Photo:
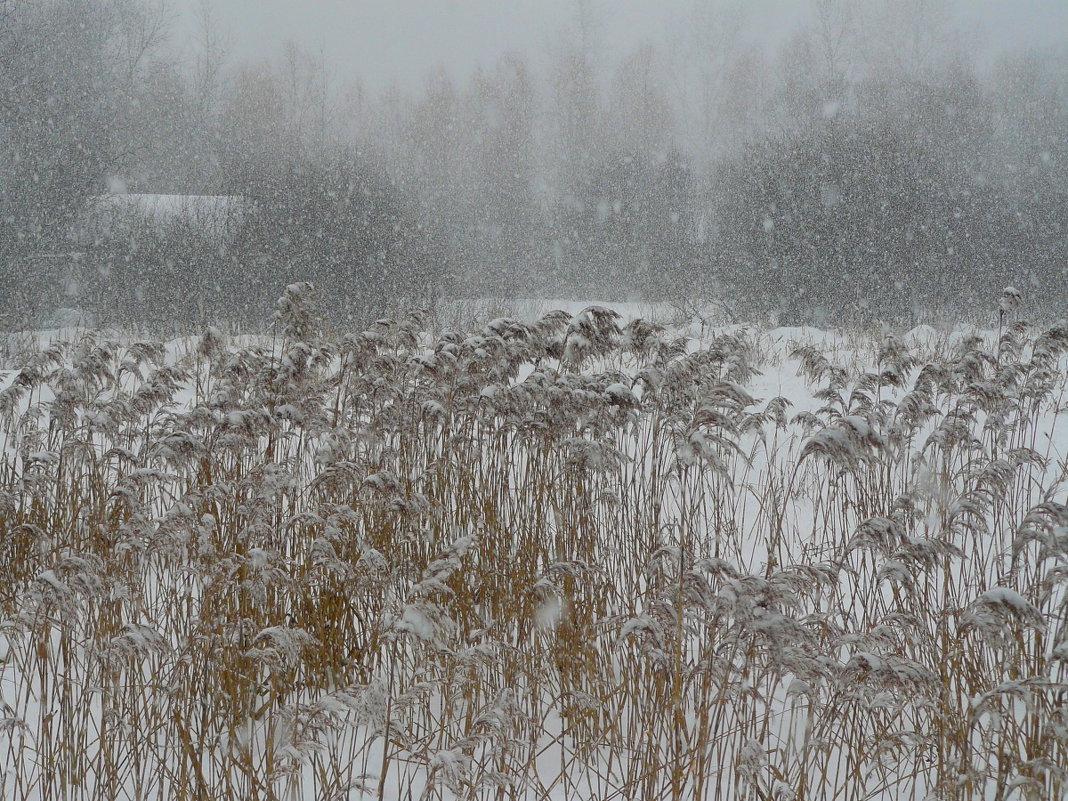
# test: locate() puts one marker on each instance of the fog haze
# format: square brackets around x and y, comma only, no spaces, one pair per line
[402,40]
[796,161]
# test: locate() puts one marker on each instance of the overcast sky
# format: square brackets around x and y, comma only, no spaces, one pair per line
[384,40]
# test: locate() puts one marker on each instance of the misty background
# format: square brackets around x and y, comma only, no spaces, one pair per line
[829,161]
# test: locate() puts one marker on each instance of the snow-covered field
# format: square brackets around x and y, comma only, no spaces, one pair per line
[575,555]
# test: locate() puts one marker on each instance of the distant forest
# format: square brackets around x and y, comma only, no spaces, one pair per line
[865,168]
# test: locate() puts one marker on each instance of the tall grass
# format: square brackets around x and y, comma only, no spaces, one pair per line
[567,559]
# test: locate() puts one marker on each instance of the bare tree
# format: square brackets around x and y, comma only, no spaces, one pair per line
[69,82]
[707,44]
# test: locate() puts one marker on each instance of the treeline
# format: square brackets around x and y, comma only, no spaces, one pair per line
[863,167]
[918,198]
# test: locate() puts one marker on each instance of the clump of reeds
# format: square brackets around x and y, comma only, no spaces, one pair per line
[568,558]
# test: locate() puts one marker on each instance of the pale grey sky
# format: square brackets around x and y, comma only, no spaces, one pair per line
[382,40]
